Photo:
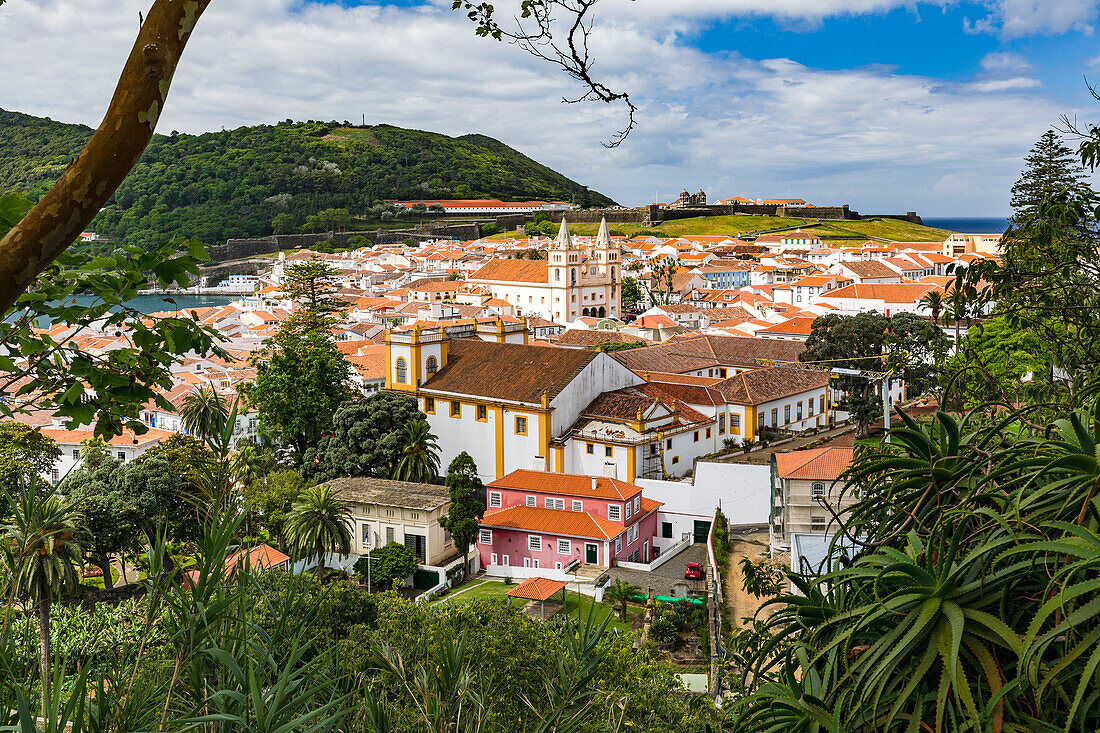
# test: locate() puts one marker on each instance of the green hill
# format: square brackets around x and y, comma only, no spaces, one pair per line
[254,181]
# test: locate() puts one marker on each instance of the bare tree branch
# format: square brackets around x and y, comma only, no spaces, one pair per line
[55,222]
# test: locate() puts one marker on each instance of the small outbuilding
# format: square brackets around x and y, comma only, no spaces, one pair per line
[538,589]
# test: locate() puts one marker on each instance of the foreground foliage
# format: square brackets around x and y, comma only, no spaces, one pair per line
[971,601]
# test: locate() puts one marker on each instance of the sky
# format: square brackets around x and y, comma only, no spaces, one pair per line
[885,105]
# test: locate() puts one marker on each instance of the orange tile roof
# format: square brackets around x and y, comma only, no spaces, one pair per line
[260,556]
[824,464]
[537,589]
[74,437]
[553,521]
[566,483]
[800,325]
[532,271]
[908,292]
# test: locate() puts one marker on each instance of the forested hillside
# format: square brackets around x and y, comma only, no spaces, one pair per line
[266,179]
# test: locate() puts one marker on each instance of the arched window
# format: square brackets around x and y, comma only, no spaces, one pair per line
[557,274]
[400,370]
[573,276]
[817,489]
[603,312]
[433,365]
[584,311]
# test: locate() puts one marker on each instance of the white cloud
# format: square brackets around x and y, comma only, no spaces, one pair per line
[1005,61]
[1017,18]
[870,137]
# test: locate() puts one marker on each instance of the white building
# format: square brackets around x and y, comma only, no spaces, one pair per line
[573,282]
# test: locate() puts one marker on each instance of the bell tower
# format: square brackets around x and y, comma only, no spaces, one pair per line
[564,275]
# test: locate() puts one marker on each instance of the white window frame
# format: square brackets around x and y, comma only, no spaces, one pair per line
[629,509]
[534,562]
[614,512]
[817,488]
[492,558]
[564,544]
[485,537]
[818,523]
[531,500]
[578,505]
[618,544]
[534,542]
[637,504]
[495,499]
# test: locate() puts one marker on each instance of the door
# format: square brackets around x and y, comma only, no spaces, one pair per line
[590,553]
[702,529]
[645,551]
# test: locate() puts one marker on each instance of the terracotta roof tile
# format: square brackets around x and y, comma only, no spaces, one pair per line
[764,385]
[516,372]
[537,589]
[701,352]
[553,521]
[824,464]
[532,271]
[566,483]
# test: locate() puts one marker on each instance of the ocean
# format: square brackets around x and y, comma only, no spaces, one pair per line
[157,303]
[969,224]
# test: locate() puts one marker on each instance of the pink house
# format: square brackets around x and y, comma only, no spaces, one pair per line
[552,521]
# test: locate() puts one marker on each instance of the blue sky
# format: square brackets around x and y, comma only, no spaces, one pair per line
[887,105]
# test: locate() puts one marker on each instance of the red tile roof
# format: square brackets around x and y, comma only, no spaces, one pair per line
[529,271]
[537,589]
[567,483]
[820,464]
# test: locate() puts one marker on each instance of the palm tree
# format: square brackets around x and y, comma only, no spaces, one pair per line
[42,555]
[933,302]
[319,521]
[619,593]
[249,465]
[419,459]
[957,309]
[204,412]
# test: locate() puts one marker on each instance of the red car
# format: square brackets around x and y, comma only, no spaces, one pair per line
[694,571]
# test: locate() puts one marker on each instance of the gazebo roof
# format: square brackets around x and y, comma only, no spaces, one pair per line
[537,589]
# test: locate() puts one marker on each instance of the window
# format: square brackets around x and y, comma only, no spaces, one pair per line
[775,417]
[760,421]
[482,413]
[429,405]
[456,409]
[366,535]
[817,489]
[400,370]
[55,476]
[535,562]
[493,559]
[563,547]
[552,503]
[708,432]
[494,499]
[798,410]
[637,504]
[432,366]
[722,424]
[389,535]
[534,542]
[735,422]
[810,407]
[675,460]
[695,438]
[607,451]
[590,448]
[666,530]
[531,501]
[557,566]
[485,536]
[504,559]
[521,426]
[122,456]
[817,523]
[578,505]
[614,512]
[668,444]
[557,273]
[822,402]
[76,454]
[722,373]
[618,544]
[629,510]
[786,414]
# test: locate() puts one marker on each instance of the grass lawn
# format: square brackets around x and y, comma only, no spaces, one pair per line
[900,231]
[575,602]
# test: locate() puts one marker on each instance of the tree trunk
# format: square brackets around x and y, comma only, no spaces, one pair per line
[44,648]
[88,182]
[321,566]
[103,562]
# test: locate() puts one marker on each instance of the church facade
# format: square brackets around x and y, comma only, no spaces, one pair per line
[573,282]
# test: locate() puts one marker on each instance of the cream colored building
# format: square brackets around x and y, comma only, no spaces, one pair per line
[573,281]
[962,244]
[806,493]
[385,511]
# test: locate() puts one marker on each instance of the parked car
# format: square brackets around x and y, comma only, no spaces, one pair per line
[694,571]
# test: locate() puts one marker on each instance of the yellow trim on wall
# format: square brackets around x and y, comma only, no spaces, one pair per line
[559,459]
[500,441]
[631,464]
[526,424]
[750,423]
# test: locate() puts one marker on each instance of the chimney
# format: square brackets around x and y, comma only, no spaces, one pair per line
[593,483]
